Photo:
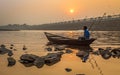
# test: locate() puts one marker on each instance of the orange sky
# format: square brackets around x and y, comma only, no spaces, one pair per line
[47,11]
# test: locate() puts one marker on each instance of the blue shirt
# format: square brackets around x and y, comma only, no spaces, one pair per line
[86,34]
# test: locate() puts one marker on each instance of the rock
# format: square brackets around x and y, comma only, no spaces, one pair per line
[68,69]
[52,58]
[39,62]
[2,46]
[10,53]
[59,48]
[108,48]
[11,61]
[96,53]
[81,53]
[115,53]
[28,58]
[49,49]
[4,50]
[60,53]
[11,47]
[69,51]
[106,54]
[24,47]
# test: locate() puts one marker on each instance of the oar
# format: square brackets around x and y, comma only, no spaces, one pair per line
[98,22]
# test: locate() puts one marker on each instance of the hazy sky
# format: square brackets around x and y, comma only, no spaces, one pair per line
[47,11]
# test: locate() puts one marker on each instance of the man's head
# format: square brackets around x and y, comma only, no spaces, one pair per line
[84,27]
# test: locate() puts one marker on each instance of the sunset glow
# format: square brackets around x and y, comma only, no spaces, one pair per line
[48,11]
[72,11]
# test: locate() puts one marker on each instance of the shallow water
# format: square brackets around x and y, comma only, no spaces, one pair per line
[36,41]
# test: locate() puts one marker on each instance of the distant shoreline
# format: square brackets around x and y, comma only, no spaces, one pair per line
[9,30]
[53,30]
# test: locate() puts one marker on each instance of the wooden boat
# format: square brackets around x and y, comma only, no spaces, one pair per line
[56,39]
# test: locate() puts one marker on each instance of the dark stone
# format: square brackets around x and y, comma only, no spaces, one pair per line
[96,53]
[2,46]
[4,50]
[68,69]
[106,54]
[10,53]
[115,53]
[49,49]
[29,58]
[39,62]
[52,58]
[11,61]
[69,51]
[24,47]
[59,48]
[11,47]
[81,53]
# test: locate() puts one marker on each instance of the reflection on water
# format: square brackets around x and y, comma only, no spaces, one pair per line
[79,58]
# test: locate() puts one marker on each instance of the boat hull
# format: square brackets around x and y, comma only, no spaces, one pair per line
[55,39]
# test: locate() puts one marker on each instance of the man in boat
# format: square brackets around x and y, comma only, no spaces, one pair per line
[86,32]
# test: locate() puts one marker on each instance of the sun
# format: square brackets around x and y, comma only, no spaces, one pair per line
[72,10]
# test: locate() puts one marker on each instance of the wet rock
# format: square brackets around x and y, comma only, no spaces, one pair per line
[60,53]
[39,62]
[115,53]
[59,48]
[96,53]
[11,61]
[69,51]
[4,50]
[68,69]
[106,54]
[108,48]
[12,45]
[83,55]
[24,47]
[2,46]
[49,49]
[28,58]
[52,58]
[26,63]
[10,53]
